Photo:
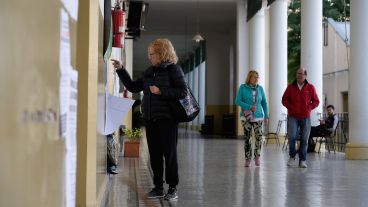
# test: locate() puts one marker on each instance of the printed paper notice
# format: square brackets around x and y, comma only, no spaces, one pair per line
[72,7]
[68,125]
[116,109]
[65,58]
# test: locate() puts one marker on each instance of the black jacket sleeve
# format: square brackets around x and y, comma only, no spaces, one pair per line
[177,89]
[132,86]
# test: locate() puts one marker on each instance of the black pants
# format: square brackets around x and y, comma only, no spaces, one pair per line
[162,137]
[318,131]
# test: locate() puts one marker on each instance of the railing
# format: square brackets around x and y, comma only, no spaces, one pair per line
[342,133]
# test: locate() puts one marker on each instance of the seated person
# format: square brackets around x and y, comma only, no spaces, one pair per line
[325,128]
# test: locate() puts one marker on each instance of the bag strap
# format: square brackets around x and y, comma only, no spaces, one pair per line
[255,97]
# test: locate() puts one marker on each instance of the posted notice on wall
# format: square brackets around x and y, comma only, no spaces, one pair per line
[72,7]
[68,129]
[116,108]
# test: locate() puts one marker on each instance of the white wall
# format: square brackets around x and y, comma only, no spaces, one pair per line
[333,86]
[335,76]
[217,68]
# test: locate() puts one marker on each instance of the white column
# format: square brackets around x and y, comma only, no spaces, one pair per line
[202,91]
[128,55]
[191,77]
[242,64]
[358,76]
[129,67]
[129,58]
[257,43]
[191,85]
[195,89]
[243,43]
[231,76]
[278,62]
[311,48]
[242,60]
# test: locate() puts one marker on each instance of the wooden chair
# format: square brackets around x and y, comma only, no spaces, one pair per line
[274,135]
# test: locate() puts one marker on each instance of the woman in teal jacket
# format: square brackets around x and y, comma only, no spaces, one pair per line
[252,97]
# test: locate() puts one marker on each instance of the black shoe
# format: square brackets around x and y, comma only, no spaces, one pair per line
[172,194]
[112,170]
[156,192]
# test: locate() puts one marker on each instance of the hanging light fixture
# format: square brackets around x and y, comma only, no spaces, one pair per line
[198,37]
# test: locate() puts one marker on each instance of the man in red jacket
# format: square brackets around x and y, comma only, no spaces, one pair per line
[300,98]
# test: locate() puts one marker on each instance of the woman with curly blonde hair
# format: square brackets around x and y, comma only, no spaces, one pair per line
[161,82]
[164,49]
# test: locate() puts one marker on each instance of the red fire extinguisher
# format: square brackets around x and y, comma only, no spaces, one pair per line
[118,40]
[118,19]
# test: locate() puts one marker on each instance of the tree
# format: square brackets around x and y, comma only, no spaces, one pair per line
[294,36]
[339,10]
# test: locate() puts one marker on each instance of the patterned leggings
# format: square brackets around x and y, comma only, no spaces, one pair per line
[257,126]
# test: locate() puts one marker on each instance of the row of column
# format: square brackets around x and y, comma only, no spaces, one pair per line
[196,81]
[277,56]
[311,60]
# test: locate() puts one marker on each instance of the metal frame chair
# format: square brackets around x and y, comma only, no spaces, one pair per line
[275,134]
[286,142]
[329,140]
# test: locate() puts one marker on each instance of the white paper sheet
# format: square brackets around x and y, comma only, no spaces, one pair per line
[101,113]
[64,58]
[116,109]
[72,7]
[68,129]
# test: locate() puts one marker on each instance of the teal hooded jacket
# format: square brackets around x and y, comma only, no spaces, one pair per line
[244,99]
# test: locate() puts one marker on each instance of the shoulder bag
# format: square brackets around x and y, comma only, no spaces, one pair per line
[248,114]
[186,109]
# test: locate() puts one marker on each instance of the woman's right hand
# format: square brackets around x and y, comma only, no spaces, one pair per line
[253,109]
[117,64]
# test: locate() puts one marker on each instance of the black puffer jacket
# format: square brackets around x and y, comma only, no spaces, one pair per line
[169,78]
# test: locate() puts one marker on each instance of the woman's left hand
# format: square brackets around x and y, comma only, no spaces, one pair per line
[155,90]
[266,122]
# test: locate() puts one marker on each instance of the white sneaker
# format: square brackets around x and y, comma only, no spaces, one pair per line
[303,164]
[291,162]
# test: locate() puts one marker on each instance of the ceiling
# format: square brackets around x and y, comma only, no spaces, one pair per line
[177,21]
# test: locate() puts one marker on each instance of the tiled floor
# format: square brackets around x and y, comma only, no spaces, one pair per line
[212,173]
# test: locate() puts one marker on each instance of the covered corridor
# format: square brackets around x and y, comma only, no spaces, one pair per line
[212,173]
[56,77]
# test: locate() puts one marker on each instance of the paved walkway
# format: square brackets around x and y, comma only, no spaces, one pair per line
[212,173]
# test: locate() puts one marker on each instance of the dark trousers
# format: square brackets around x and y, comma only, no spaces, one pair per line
[318,131]
[162,137]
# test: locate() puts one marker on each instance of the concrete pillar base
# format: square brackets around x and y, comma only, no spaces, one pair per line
[356,152]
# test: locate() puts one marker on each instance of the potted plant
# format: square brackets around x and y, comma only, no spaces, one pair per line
[131,146]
